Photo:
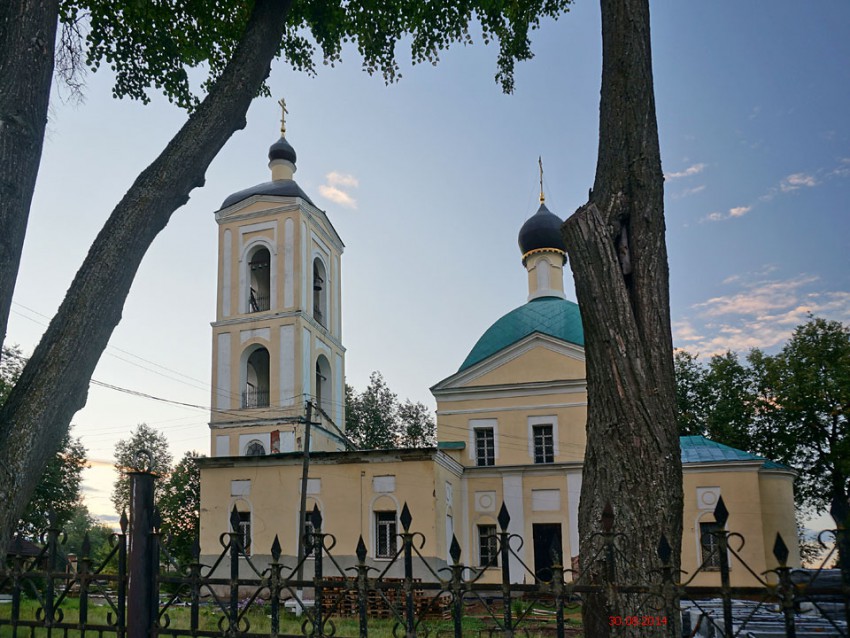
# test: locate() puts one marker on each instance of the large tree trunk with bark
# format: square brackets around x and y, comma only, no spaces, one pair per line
[619,262]
[54,383]
[27,40]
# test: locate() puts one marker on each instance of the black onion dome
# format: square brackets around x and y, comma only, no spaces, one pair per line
[541,230]
[282,150]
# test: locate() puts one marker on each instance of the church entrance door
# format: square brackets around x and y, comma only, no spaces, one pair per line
[547,537]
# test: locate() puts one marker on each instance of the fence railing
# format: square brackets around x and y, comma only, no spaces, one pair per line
[137,590]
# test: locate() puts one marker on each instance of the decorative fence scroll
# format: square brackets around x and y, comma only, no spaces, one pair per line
[146,594]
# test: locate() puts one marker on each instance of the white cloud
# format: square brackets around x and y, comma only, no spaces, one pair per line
[843,168]
[737,211]
[797,180]
[689,191]
[694,169]
[760,313]
[342,179]
[337,196]
[335,188]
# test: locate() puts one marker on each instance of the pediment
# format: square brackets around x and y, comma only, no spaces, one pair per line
[536,359]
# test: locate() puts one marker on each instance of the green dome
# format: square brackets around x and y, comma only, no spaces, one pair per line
[551,316]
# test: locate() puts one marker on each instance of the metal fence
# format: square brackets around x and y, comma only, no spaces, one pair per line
[137,591]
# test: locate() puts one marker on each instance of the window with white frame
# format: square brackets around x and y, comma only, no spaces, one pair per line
[488,549]
[485,446]
[544,443]
[385,534]
[709,545]
[255,448]
[244,530]
[259,293]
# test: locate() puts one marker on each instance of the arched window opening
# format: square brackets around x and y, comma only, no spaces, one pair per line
[256,393]
[323,383]
[259,295]
[255,448]
[320,292]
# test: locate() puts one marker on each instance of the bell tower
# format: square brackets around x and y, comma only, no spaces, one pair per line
[277,338]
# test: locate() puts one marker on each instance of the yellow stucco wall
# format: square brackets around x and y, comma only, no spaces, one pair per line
[759,505]
[346,496]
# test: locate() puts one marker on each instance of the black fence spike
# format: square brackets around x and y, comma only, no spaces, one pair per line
[721,514]
[196,550]
[454,550]
[86,547]
[607,517]
[156,520]
[664,550]
[234,519]
[124,522]
[504,518]
[780,550]
[276,550]
[405,518]
[361,549]
[316,517]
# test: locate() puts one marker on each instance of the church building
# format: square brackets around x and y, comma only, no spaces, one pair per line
[510,420]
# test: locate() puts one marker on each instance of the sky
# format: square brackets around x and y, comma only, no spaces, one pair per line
[428,181]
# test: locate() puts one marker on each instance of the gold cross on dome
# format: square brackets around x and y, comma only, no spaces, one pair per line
[283,115]
[540,163]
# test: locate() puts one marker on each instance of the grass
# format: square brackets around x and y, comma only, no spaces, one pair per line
[260,622]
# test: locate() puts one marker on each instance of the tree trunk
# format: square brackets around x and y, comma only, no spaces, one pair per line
[619,261]
[54,383]
[27,40]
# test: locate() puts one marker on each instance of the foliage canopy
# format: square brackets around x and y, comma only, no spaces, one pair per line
[791,407]
[154,45]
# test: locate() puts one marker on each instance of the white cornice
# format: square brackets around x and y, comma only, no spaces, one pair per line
[445,461]
[722,466]
[515,408]
[512,390]
[268,317]
[285,205]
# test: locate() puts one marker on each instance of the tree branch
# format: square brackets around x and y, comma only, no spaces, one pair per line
[54,383]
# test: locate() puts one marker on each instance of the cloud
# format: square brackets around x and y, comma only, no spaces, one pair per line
[334,189]
[737,211]
[689,191]
[758,313]
[694,169]
[843,168]
[797,180]
[342,179]
[337,196]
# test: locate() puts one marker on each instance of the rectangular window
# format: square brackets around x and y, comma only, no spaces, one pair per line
[710,546]
[488,549]
[245,532]
[385,534]
[544,444]
[485,447]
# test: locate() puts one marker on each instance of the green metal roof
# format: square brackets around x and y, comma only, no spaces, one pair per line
[698,449]
[551,316]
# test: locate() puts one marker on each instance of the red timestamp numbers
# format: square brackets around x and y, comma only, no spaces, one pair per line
[637,621]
